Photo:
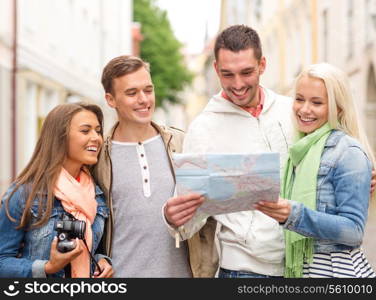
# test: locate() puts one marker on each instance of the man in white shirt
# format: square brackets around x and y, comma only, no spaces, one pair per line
[244,117]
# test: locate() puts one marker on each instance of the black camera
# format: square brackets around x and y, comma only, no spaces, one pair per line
[68,229]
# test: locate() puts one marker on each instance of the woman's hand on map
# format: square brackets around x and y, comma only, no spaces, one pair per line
[279,210]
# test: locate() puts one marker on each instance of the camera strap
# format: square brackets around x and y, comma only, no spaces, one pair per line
[68,271]
[93,259]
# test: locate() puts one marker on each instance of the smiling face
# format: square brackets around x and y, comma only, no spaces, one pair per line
[84,141]
[239,74]
[310,104]
[133,97]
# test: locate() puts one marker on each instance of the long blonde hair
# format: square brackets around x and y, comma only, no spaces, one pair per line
[342,113]
[40,174]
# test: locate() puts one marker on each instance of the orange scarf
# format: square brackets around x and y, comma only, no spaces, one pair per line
[78,198]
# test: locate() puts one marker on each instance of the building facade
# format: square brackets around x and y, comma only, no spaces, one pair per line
[6,59]
[62,47]
[296,33]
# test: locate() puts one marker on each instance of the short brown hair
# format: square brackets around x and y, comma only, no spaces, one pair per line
[120,66]
[236,38]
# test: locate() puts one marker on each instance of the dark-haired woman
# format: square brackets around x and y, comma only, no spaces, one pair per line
[56,181]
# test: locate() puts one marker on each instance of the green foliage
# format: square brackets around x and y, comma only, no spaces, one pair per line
[162,50]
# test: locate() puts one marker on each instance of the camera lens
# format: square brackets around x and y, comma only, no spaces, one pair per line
[79,228]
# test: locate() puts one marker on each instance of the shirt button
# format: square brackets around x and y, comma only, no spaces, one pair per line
[145,167]
[142,155]
[146,180]
[139,143]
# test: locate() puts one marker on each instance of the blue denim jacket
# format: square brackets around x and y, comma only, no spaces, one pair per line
[23,253]
[342,198]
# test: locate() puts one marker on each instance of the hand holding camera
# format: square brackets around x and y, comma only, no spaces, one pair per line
[66,246]
[59,260]
[68,229]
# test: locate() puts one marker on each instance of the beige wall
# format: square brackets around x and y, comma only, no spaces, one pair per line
[302,32]
[5,128]
[5,91]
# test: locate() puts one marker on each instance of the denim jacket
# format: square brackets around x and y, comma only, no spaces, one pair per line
[342,197]
[23,252]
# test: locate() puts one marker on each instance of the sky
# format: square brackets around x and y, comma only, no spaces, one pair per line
[191,19]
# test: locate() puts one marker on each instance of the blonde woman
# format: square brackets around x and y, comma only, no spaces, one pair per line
[55,182]
[325,187]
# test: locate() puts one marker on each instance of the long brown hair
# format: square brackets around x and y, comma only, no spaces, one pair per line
[40,174]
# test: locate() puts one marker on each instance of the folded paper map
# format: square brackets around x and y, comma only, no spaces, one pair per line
[229,182]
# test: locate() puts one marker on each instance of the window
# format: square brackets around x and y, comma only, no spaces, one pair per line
[370,21]
[258,10]
[350,34]
[370,110]
[325,34]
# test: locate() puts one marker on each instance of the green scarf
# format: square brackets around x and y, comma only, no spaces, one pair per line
[299,184]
